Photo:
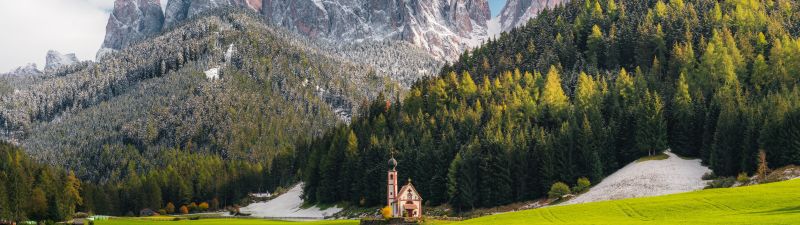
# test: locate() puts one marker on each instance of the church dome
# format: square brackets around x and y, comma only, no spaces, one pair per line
[392,163]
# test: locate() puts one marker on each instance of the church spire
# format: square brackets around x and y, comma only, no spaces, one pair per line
[392,161]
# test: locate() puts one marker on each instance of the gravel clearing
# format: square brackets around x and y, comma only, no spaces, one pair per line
[648,178]
[288,205]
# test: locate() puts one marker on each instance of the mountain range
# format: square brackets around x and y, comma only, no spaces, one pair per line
[444,28]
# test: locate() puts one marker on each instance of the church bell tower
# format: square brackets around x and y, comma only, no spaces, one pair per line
[391,192]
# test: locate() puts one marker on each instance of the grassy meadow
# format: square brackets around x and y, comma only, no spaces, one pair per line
[232,221]
[775,203]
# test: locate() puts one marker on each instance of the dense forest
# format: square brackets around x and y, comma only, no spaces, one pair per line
[34,191]
[580,91]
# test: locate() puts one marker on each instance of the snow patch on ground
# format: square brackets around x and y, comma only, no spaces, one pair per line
[261,195]
[648,178]
[288,205]
[212,74]
[229,52]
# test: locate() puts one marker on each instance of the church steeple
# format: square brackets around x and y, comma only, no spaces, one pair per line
[392,186]
[392,162]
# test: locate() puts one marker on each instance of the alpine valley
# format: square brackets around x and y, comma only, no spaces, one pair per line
[254,111]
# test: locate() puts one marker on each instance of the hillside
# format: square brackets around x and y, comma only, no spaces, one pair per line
[580,91]
[274,89]
[773,203]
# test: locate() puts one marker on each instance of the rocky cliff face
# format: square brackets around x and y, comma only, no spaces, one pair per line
[442,27]
[518,12]
[56,60]
[132,20]
[180,10]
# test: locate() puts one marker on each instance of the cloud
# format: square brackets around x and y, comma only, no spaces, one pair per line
[31,27]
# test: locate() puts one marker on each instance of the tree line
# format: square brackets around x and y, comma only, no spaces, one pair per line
[188,182]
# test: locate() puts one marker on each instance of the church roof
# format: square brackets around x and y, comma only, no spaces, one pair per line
[402,193]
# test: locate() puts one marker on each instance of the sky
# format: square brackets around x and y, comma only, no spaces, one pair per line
[495,6]
[32,27]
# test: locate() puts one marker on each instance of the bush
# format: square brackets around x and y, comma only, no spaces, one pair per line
[558,190]
[742,178]
[184,210]
[162,211]
[193,207]
[724,182]
[582,185]
[170,208]
[203,206]
[386,212]
[709,176]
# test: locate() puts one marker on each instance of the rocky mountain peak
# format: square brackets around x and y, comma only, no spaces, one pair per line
[131,21]
[27,70]
[55,60]
[180,10]
[517,12]
[444,28]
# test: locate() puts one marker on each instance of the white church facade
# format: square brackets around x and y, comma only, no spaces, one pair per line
[404,201]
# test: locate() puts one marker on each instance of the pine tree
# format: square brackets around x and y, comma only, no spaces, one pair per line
[651,129]
[682,120]
[72,191]
[595,45]
[553,99]
[468,87]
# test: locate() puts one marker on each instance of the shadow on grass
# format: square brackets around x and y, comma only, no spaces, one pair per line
[786,210]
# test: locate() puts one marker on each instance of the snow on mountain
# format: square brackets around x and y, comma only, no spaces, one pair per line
[56,60]
[132,20]
[517,12]
[26,70]
[443,28]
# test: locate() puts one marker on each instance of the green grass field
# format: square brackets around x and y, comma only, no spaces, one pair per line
[775,203]
[137,221]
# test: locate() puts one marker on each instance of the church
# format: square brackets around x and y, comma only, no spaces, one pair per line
[404,203]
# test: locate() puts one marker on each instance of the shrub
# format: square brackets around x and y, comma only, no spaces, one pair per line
[170,208]
[582,185]
[709,176]
[386,212]
[558,190]
[193,207]
[742,178]
[203,206]
[184,210]
[724,182]
[162,212]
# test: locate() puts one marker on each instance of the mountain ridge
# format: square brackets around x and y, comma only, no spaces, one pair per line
[443,28]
